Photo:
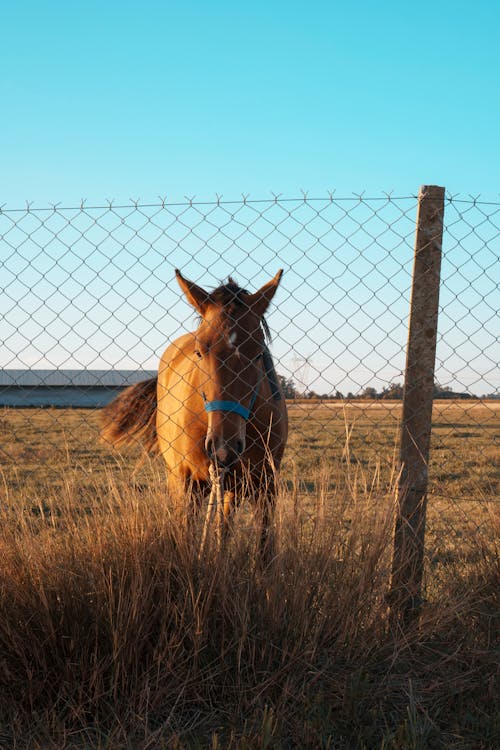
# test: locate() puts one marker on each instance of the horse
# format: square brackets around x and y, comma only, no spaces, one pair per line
[216,406]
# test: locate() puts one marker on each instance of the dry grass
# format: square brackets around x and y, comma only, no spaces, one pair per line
[113,634]
[35,443]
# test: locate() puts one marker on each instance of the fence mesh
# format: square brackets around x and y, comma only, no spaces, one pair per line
[89,302]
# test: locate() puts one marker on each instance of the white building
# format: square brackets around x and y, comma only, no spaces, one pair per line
[65,388]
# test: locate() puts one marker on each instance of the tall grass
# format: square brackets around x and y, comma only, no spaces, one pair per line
[116,633]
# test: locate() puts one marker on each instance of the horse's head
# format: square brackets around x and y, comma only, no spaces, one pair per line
[228,348]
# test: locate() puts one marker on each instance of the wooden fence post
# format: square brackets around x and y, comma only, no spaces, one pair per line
[409,535]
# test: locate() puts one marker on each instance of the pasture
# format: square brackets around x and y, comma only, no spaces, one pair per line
[338,442]
[113,634]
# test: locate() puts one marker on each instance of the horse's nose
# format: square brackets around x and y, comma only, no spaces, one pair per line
[226,454]
[221,453]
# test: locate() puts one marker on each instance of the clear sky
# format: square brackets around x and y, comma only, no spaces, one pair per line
[123,99]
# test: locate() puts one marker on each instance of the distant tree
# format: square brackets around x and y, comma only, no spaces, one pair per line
[369,393]
[288,386]
[311,394]
[393,391]
[445,392]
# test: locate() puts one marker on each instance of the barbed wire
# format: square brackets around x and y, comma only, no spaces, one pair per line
[245,199]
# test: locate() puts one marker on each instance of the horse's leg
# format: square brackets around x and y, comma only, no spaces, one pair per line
[177,492]
[187,497]
[267,536]
[229,510]
[235,489]
[264,506]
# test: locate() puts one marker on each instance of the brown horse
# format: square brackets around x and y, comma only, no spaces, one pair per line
[216,402]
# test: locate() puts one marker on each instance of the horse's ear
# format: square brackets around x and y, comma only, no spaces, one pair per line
[259,301]
[195,295]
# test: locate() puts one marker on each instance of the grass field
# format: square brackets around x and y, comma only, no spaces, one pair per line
[115,634]
[349,443]
[35,443]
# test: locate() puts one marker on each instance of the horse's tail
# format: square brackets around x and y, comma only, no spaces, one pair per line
[131,417]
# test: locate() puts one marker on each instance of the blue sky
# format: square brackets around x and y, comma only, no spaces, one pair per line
[122,100]
[127,99]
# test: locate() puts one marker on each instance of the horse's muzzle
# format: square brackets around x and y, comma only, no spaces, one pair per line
[225,453]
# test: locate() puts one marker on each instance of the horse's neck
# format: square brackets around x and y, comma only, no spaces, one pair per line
[270,374]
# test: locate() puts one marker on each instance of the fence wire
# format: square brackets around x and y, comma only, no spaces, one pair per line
[89,302]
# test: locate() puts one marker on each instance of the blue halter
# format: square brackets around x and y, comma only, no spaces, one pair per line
[234,406]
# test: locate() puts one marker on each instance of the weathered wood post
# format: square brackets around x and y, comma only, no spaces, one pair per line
[408,555]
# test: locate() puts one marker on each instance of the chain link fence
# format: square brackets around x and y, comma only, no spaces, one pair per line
[89,302]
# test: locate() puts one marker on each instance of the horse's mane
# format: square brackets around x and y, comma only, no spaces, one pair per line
[230,294]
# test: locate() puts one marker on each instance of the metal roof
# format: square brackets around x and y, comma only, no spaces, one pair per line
[80,378]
